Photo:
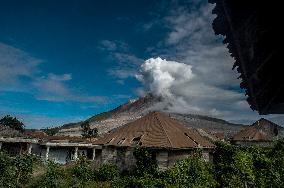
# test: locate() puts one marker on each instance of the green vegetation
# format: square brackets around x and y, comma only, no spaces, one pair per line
[51,131]
[16,171]
[13,123]
[87,131]
[233,166]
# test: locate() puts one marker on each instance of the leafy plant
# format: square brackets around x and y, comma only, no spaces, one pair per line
[107,172]
[191,172]
[51,178]
[146,162]
[82,171]
[16,171]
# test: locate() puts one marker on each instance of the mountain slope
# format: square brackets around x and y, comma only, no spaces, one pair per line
[135,109]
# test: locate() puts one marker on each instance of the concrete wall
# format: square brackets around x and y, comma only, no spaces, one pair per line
[121,156]
[58,155]
[162,157]
[175,155]
[166,159]
[125,160]
[109,155]
[130,161]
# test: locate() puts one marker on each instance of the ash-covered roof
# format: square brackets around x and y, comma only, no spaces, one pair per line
[155,130]
[261,130]
[35,134]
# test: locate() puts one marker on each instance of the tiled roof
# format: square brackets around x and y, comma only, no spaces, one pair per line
[219,135]
[155,130]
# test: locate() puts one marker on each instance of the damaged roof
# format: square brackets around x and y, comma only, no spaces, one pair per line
[155,130]
[261,130]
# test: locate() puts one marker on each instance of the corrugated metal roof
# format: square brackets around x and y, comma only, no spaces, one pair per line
[155,130]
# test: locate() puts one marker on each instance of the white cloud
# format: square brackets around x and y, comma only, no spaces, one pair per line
[184,90]
[200,79]
[54,88]
[161,75]
[63,77]
[109,45]
[206,83]
[14,64]
[126,63]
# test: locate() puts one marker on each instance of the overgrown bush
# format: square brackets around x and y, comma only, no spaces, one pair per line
[241,166]
[191,172]
[51,178]
[107,172]
[145,161]
[15,171]
[83,172]
[233,166]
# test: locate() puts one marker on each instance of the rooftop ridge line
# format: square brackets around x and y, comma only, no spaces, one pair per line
[160,123]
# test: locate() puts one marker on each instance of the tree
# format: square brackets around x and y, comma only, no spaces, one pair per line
[87,131]
[51,131]
[13,123]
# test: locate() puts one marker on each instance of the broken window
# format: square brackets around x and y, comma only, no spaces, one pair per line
[136,140]
[110,141]
[121,141]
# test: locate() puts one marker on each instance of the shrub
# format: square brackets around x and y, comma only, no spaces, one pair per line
[7,172]
[191,172]
[24,168]
[146,162]
[51,178]
[15,171]
[107,172]
[82,171]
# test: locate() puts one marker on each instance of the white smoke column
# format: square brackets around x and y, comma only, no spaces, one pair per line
[161,76]
[185,91]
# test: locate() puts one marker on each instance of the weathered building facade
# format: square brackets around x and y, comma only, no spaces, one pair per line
[58,149]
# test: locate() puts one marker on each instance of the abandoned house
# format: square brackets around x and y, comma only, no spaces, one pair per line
[169,140]
[263,132]
[17,145]
[62,149]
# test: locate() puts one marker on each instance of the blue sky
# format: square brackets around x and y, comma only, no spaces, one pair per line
[70,38]
[64,61]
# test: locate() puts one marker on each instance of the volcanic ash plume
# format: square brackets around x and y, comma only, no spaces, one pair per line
[184,90]
[162,77]
[167,79]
